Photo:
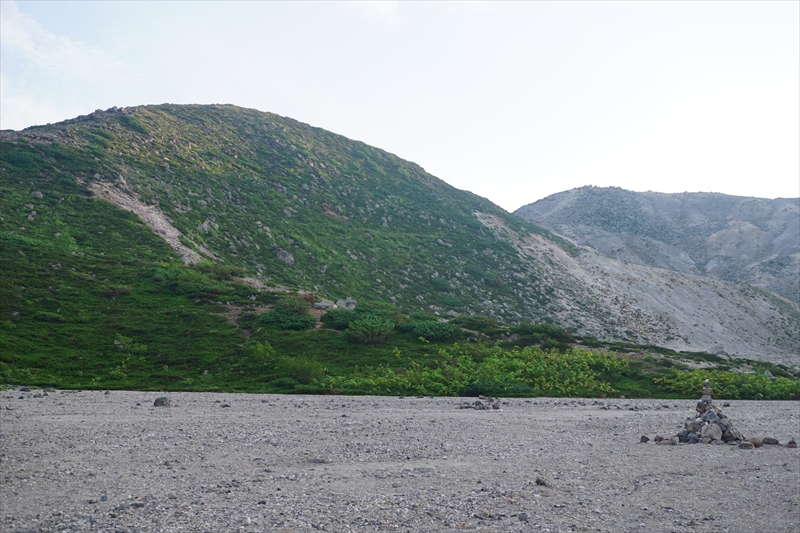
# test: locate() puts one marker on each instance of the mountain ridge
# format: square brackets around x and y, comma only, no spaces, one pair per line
[732,238]
[294,205]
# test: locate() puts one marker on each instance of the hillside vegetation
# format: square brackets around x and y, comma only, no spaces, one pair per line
[179,247]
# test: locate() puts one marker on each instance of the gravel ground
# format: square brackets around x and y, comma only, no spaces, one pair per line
[89,461]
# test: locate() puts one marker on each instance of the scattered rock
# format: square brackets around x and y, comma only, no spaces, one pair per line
[37,194]
[348,303]
[323,305]
[746,445]
[770,440]
[161,401]
[644,439]
[791,444]
[285,256]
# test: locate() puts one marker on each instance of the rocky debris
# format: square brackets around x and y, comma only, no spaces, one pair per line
[712,426]
[37,194]
[478,405]
[161,401]
[709,426]
[211,467]
[348,303]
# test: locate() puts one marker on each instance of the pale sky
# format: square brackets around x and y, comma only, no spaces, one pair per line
[512,101]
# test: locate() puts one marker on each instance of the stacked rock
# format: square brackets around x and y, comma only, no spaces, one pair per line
[710,425]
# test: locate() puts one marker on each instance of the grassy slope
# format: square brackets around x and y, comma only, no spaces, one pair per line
[90,297]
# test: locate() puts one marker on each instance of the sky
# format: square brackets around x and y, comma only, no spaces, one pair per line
[513,101]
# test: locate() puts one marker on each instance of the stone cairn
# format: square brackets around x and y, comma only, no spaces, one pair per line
[711,426]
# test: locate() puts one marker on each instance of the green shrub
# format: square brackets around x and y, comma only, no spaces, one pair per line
[302,369]
[45,316]
[483,324]
[435,331]
[731,385]
[281,320]
[115,290]
[371,329]
[339,318]
[292,305]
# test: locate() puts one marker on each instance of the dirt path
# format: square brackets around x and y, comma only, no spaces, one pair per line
[88,461]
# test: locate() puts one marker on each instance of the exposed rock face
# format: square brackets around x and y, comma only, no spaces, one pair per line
[749,240]
[655,306]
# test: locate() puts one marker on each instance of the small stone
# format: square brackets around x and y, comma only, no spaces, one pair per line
[791,444]
[644,439]
[712,431]
[746,445]
[769,440]
[755,441]
[523,517]
[541,482]
[162,401]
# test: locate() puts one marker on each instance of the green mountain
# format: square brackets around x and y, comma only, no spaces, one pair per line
[292,204]
[149,241]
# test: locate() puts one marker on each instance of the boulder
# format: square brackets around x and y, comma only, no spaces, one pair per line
[323,305]
[285,256]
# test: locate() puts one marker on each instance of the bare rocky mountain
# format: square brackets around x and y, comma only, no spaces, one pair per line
[738,239]
[611,299]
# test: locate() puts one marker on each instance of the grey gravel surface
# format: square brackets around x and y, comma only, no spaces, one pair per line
[89,461]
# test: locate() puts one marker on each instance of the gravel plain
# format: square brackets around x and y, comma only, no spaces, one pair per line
[112,462]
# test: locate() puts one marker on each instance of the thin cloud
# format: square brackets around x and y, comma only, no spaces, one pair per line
[21,35]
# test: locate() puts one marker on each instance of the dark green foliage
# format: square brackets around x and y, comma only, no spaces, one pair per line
[434,331]
[44,316]
[339,318]
[291,312]
[187,281]
[292,305]
[482,324]
[283,320]
[372,329]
